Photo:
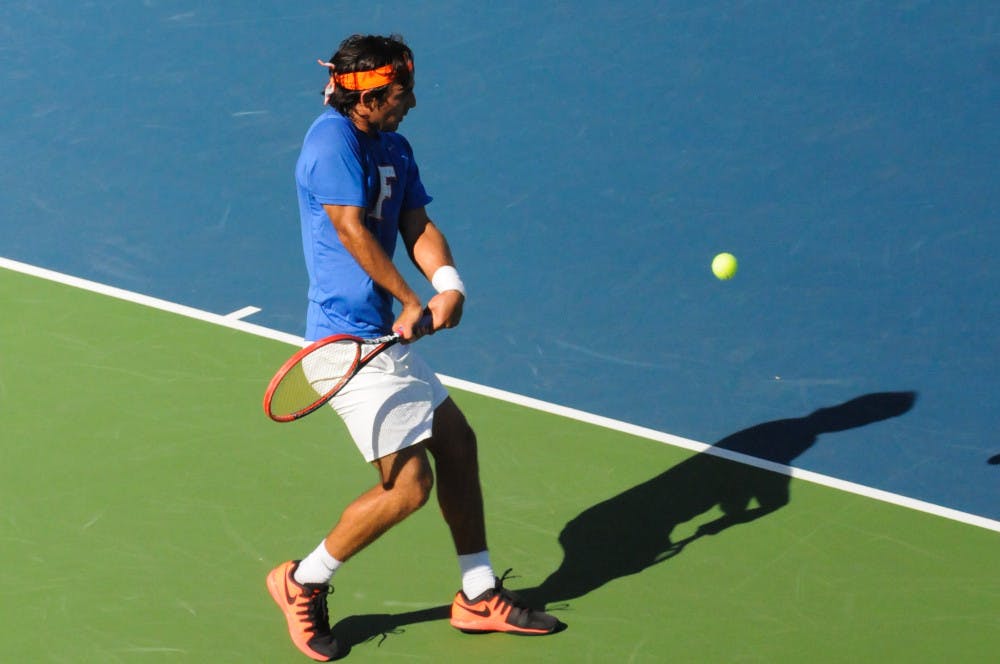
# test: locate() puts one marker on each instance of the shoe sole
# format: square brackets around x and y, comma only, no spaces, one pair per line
[473,628]
[514,632]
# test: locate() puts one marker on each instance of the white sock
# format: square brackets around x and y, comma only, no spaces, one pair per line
[317,567]
[477,573]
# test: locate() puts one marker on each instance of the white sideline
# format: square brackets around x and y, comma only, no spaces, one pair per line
[233,321]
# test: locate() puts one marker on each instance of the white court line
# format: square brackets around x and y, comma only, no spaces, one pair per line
[528,402]
[240,314]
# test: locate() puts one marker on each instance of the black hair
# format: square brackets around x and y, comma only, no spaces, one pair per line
[366,52]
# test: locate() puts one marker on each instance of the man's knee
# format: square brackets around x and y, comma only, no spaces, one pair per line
[421,484]
[407,474]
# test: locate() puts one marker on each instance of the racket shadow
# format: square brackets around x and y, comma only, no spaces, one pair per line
[640,520]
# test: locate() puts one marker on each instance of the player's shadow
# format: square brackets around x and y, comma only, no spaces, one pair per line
[631,531]
[352,630]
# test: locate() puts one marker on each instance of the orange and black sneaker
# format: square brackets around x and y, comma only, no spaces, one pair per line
[500,610]
[304,606]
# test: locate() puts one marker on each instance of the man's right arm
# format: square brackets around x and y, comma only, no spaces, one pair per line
[348,221]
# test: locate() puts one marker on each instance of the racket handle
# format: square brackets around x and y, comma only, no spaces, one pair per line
[426,322]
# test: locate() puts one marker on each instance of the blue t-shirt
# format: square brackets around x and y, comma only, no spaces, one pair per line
[340,165]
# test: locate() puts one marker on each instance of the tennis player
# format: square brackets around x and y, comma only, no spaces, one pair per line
[359,189]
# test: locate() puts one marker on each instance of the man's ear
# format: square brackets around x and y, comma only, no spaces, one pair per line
[363,106]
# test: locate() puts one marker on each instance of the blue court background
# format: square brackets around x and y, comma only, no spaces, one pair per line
[587,159]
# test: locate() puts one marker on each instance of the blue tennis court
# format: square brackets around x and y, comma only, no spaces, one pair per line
[587,161]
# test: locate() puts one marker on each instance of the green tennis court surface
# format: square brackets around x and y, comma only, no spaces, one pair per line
[144,497]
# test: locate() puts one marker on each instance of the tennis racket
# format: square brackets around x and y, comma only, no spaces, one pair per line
[313,375]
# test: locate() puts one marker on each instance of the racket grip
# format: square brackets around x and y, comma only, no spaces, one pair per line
[426,322]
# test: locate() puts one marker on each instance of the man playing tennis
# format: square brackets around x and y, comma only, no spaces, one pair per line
[359,189]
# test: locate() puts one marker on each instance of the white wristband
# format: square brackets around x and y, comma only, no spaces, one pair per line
[446,278]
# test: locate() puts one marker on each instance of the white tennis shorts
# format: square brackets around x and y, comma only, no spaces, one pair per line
[390,404]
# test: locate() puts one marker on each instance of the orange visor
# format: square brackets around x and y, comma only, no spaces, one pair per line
[367,80]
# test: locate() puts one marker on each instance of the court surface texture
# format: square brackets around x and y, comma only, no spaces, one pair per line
[799,464]
[145,496]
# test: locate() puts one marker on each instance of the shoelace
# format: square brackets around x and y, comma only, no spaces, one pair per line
[509,595]
[316,610]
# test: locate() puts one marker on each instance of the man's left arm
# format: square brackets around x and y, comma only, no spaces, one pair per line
[428,249]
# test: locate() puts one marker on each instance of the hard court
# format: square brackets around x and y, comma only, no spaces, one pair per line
[798,464]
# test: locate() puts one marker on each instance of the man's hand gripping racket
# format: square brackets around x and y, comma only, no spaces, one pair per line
[315,374]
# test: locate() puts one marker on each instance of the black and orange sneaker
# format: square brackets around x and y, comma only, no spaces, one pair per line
[500,610]
[304,606]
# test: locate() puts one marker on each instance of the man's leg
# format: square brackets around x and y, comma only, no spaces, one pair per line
[405,482]
[477,607]
[453,446]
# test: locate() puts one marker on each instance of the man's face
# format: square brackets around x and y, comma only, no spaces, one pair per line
[391,112]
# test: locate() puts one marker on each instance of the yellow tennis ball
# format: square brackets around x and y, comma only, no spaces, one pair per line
[724,266]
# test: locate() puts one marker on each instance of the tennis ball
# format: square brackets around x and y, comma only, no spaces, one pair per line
[724,266]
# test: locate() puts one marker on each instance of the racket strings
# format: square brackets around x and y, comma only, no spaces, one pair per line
[315,376]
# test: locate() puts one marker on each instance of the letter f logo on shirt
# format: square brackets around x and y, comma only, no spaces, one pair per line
[387,176]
